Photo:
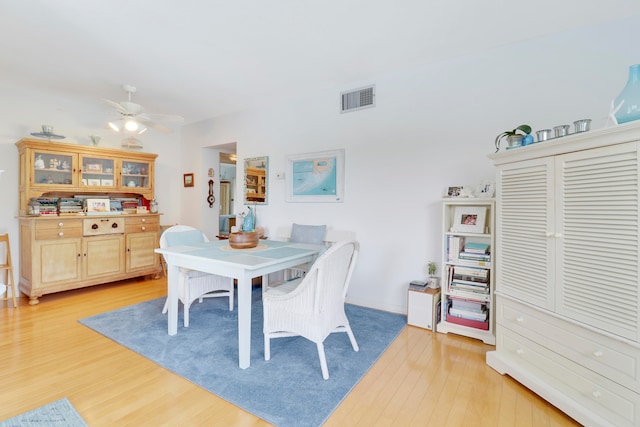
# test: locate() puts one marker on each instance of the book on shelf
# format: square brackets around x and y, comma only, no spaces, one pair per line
[473,262]
[472,255]
[468,294]
[466,304]
[466,284]
[467,314]
[476,247]
[471,271]
[474,279]
[454,246]
[477,324]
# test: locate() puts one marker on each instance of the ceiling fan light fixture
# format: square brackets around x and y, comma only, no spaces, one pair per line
[131,125]
[114,127]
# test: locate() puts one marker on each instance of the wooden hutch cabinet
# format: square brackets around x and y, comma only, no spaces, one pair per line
[59,252]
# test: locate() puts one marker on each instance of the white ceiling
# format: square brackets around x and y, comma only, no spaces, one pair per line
[201,59]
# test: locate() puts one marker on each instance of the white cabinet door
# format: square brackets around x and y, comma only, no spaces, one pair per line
[597,238]
[525,231]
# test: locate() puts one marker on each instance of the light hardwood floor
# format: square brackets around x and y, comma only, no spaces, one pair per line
[423,379]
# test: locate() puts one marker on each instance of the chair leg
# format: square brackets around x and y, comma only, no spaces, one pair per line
[186,315]
[267,347]
[323,361]
[166,306]
[13,287]
[231,300]
[352,338]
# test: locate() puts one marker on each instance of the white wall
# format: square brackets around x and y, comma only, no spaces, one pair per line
[431,128]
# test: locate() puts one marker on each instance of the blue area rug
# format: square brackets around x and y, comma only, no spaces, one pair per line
[57,414]
[286,391]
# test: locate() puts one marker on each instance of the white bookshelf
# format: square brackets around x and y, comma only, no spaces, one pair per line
[464,221]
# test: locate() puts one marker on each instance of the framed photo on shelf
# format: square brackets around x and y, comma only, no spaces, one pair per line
[106,182]
[455,191]
[469,219]
[98,205]
[188,180]
[93,168]
[93,182]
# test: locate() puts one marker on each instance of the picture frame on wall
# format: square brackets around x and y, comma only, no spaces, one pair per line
[469,219]
[316,177]
[188,180]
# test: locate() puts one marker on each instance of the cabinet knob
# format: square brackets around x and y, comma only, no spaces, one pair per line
[548,234]
[143,228]
[519,351]
[144,220]
[61,224]
[596,393]
[61,234]
[557,235]
[598,353]
[520,319]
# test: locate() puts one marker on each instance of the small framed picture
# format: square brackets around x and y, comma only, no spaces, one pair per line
[469,219]
[454,191]
[98,205]
[106,182]
[188,180]
[93,182]
[93,167]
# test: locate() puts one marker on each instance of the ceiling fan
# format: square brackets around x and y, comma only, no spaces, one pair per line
[133,120]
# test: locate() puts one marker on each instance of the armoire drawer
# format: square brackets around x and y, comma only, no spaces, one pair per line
[603,355]
[608,400]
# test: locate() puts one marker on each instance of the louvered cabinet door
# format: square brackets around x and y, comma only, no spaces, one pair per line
[597,238]
[525,231]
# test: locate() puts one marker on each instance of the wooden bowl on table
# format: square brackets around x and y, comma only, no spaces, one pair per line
[243,239]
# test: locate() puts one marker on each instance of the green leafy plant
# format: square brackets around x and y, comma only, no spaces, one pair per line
[520,130]
[432,267]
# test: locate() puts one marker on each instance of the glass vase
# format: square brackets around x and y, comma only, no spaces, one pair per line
[249,223]
[630,109]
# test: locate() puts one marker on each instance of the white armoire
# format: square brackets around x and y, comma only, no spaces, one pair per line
[567,292]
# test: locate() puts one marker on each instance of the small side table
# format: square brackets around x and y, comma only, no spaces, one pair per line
[422,308]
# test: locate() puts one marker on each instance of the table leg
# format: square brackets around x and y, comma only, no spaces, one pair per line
[244,322]
[172,298]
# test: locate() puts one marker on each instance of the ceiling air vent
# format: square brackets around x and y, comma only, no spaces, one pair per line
[357,99]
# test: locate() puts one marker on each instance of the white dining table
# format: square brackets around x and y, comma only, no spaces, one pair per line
[217,257]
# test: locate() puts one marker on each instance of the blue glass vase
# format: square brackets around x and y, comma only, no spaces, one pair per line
[249,223]
[630,110]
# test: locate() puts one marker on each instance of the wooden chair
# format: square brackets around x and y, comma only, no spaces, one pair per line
[8,267]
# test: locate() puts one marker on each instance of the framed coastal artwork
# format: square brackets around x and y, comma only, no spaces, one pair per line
[316,177]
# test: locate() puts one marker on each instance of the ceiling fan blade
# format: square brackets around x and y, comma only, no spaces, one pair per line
[116,105]
[174,118]
[157,126]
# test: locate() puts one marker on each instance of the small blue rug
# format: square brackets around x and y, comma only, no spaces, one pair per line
[57,414]
[286,391]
